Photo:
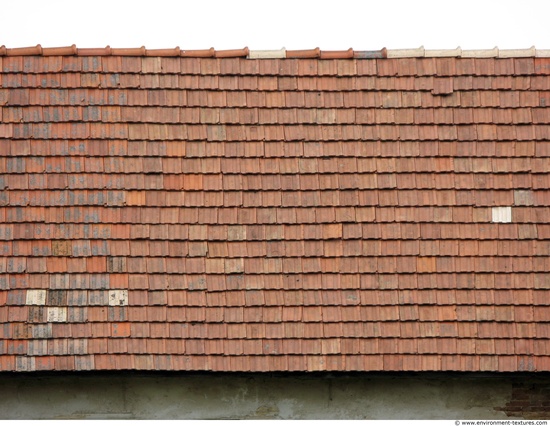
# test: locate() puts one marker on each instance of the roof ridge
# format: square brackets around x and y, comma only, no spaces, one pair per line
[283,53]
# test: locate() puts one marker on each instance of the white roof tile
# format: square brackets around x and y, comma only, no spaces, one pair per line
[406,53]
[502,214]
[267,54]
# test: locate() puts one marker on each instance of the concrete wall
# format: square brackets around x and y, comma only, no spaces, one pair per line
[215,396]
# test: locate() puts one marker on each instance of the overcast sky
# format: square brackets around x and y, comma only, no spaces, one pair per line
[294,24]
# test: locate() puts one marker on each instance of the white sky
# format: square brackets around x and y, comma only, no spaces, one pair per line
[261,24]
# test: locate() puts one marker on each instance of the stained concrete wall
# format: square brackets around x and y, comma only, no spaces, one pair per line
[215,396]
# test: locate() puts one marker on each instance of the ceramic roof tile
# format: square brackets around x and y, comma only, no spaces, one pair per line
[221,200]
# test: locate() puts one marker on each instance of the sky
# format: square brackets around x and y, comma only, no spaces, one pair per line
[293,24]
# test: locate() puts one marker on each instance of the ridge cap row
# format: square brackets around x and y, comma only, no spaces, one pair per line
[282,53]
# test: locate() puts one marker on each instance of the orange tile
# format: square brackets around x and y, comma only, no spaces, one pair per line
[120,329]
[426,264]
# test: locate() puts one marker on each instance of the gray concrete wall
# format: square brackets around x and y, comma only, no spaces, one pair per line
[211,396]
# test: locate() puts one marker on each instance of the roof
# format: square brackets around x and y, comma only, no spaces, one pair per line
[205,210]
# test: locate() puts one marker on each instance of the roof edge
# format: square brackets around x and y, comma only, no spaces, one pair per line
[283,53]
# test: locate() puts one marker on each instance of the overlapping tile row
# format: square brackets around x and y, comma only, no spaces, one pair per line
[274,214]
